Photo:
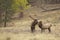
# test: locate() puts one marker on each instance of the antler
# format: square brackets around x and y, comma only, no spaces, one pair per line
[31,17]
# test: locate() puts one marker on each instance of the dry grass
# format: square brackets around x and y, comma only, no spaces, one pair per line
[20,29]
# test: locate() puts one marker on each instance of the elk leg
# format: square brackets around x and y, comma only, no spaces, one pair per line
[49,29]
[32,29]
[42,30]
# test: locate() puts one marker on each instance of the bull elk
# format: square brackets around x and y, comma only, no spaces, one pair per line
[34,23]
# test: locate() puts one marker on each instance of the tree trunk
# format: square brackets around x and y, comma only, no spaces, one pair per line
[21,15]
[5,19]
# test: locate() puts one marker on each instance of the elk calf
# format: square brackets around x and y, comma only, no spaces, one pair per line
[44,26]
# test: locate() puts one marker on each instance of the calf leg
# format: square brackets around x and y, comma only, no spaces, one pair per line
[42,30]
[49,29]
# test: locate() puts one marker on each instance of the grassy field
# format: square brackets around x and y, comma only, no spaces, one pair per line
[20,29]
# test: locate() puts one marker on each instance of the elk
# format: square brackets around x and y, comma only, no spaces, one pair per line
[44,26]
[34,23]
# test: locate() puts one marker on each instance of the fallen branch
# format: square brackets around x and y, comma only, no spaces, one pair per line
[51,9]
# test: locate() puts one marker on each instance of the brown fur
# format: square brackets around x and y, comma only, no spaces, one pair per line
[33,25]
[40,24]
